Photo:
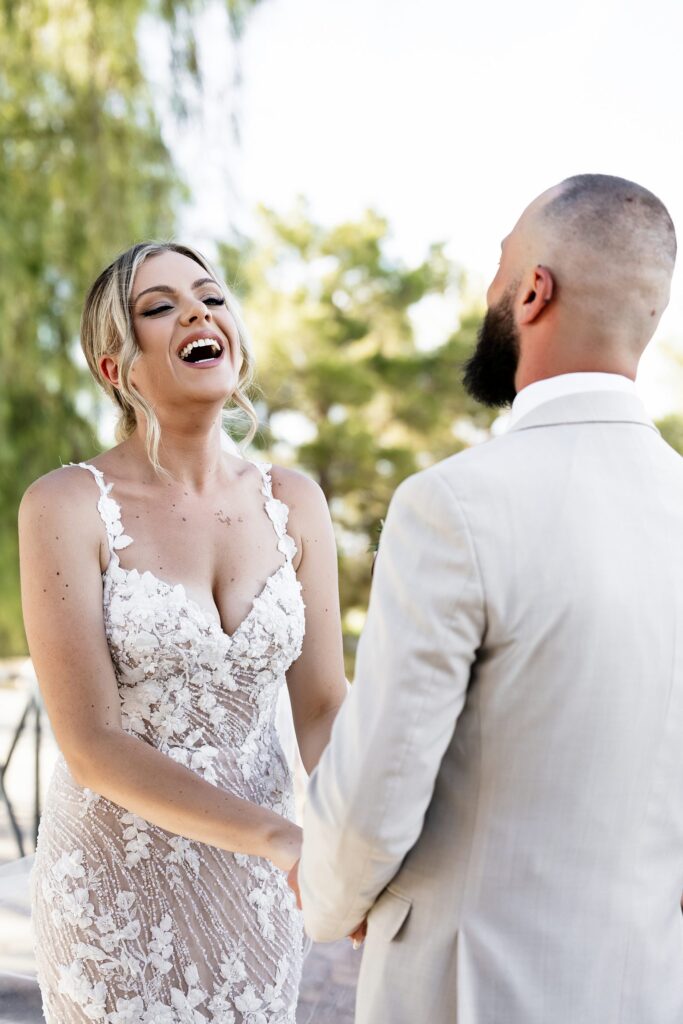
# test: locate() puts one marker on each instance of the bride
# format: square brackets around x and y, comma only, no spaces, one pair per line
[164,585]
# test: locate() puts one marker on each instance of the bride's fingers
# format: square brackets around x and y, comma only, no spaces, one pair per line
[358,936]
[293,882]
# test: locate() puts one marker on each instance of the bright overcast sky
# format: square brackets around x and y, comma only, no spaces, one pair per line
[449,118]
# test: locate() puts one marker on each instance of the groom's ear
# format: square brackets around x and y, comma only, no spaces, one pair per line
[537,295]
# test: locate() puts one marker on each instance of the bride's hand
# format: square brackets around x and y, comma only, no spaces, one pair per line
[358,937]
[284,848]
[293,883]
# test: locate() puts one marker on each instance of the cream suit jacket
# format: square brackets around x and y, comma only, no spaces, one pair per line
[503,790]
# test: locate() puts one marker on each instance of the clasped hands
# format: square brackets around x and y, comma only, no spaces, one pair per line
[357,936]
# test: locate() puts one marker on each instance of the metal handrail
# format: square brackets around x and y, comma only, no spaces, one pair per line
[32,713]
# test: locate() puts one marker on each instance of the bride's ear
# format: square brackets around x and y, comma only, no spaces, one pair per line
[109,369]
[537,295]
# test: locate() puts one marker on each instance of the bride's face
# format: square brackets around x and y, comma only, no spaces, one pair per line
[188,340]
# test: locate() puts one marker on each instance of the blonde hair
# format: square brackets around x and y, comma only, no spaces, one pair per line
[107,330]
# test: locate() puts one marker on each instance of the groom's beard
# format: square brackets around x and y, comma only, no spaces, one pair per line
[489,375]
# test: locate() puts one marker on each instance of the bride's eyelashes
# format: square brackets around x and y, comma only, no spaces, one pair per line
[211,300]
[159,309]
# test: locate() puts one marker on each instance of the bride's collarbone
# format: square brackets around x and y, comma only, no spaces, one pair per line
[222,569]
[221,549]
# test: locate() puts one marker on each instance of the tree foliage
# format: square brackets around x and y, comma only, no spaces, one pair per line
[671,429]
[347,392]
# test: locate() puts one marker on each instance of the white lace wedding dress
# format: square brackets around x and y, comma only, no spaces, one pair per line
[135,925]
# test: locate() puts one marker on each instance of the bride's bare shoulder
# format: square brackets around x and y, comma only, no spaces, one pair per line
[64,481]
[65,494]
[309,514]
[296,489]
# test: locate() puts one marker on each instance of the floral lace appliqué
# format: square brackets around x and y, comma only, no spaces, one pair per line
[135,925]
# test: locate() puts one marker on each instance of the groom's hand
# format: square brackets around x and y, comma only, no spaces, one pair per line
[357,936]
[293,883]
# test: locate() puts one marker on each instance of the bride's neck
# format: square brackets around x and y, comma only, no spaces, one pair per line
[193,458]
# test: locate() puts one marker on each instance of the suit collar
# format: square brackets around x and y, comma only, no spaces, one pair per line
[587,407]
[549,388]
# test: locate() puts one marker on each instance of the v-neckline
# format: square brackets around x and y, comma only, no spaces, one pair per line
[209,620]
[276,510]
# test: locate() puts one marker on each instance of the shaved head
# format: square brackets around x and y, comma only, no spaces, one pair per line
[612,213]
[611,246]
[583,279]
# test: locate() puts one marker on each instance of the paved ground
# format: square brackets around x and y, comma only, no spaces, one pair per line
[330,971]
[328,988]
[19,1003]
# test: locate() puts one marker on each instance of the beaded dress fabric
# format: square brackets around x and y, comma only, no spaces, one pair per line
[135,925]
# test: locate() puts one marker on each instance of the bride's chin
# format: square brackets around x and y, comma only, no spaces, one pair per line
[203,390]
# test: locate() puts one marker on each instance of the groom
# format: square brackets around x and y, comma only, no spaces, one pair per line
[503,792]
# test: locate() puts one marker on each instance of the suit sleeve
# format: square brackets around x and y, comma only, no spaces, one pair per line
[369,794]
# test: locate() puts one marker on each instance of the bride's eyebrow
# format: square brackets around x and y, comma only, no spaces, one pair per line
[171,291]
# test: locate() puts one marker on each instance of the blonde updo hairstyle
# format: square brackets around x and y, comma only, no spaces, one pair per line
[107,330]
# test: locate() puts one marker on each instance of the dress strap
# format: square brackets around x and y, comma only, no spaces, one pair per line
[277,511]
[109,510]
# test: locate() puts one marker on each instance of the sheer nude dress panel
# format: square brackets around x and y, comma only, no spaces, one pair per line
[134,925]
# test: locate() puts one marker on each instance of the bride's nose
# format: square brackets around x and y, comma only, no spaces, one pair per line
[196,311]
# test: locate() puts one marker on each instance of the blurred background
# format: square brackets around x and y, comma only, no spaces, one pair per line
[351,166]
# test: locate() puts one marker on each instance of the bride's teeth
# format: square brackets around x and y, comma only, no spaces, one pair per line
[185,351]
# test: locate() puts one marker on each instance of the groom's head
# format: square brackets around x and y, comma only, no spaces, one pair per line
[583,280]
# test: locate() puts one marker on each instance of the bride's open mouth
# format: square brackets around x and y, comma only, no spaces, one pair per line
[202,352]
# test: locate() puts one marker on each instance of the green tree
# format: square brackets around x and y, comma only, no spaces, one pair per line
[671,429]
[347,393]
[84,172]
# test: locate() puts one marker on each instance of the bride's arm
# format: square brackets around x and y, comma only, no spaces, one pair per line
[60,541]
[316,681]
